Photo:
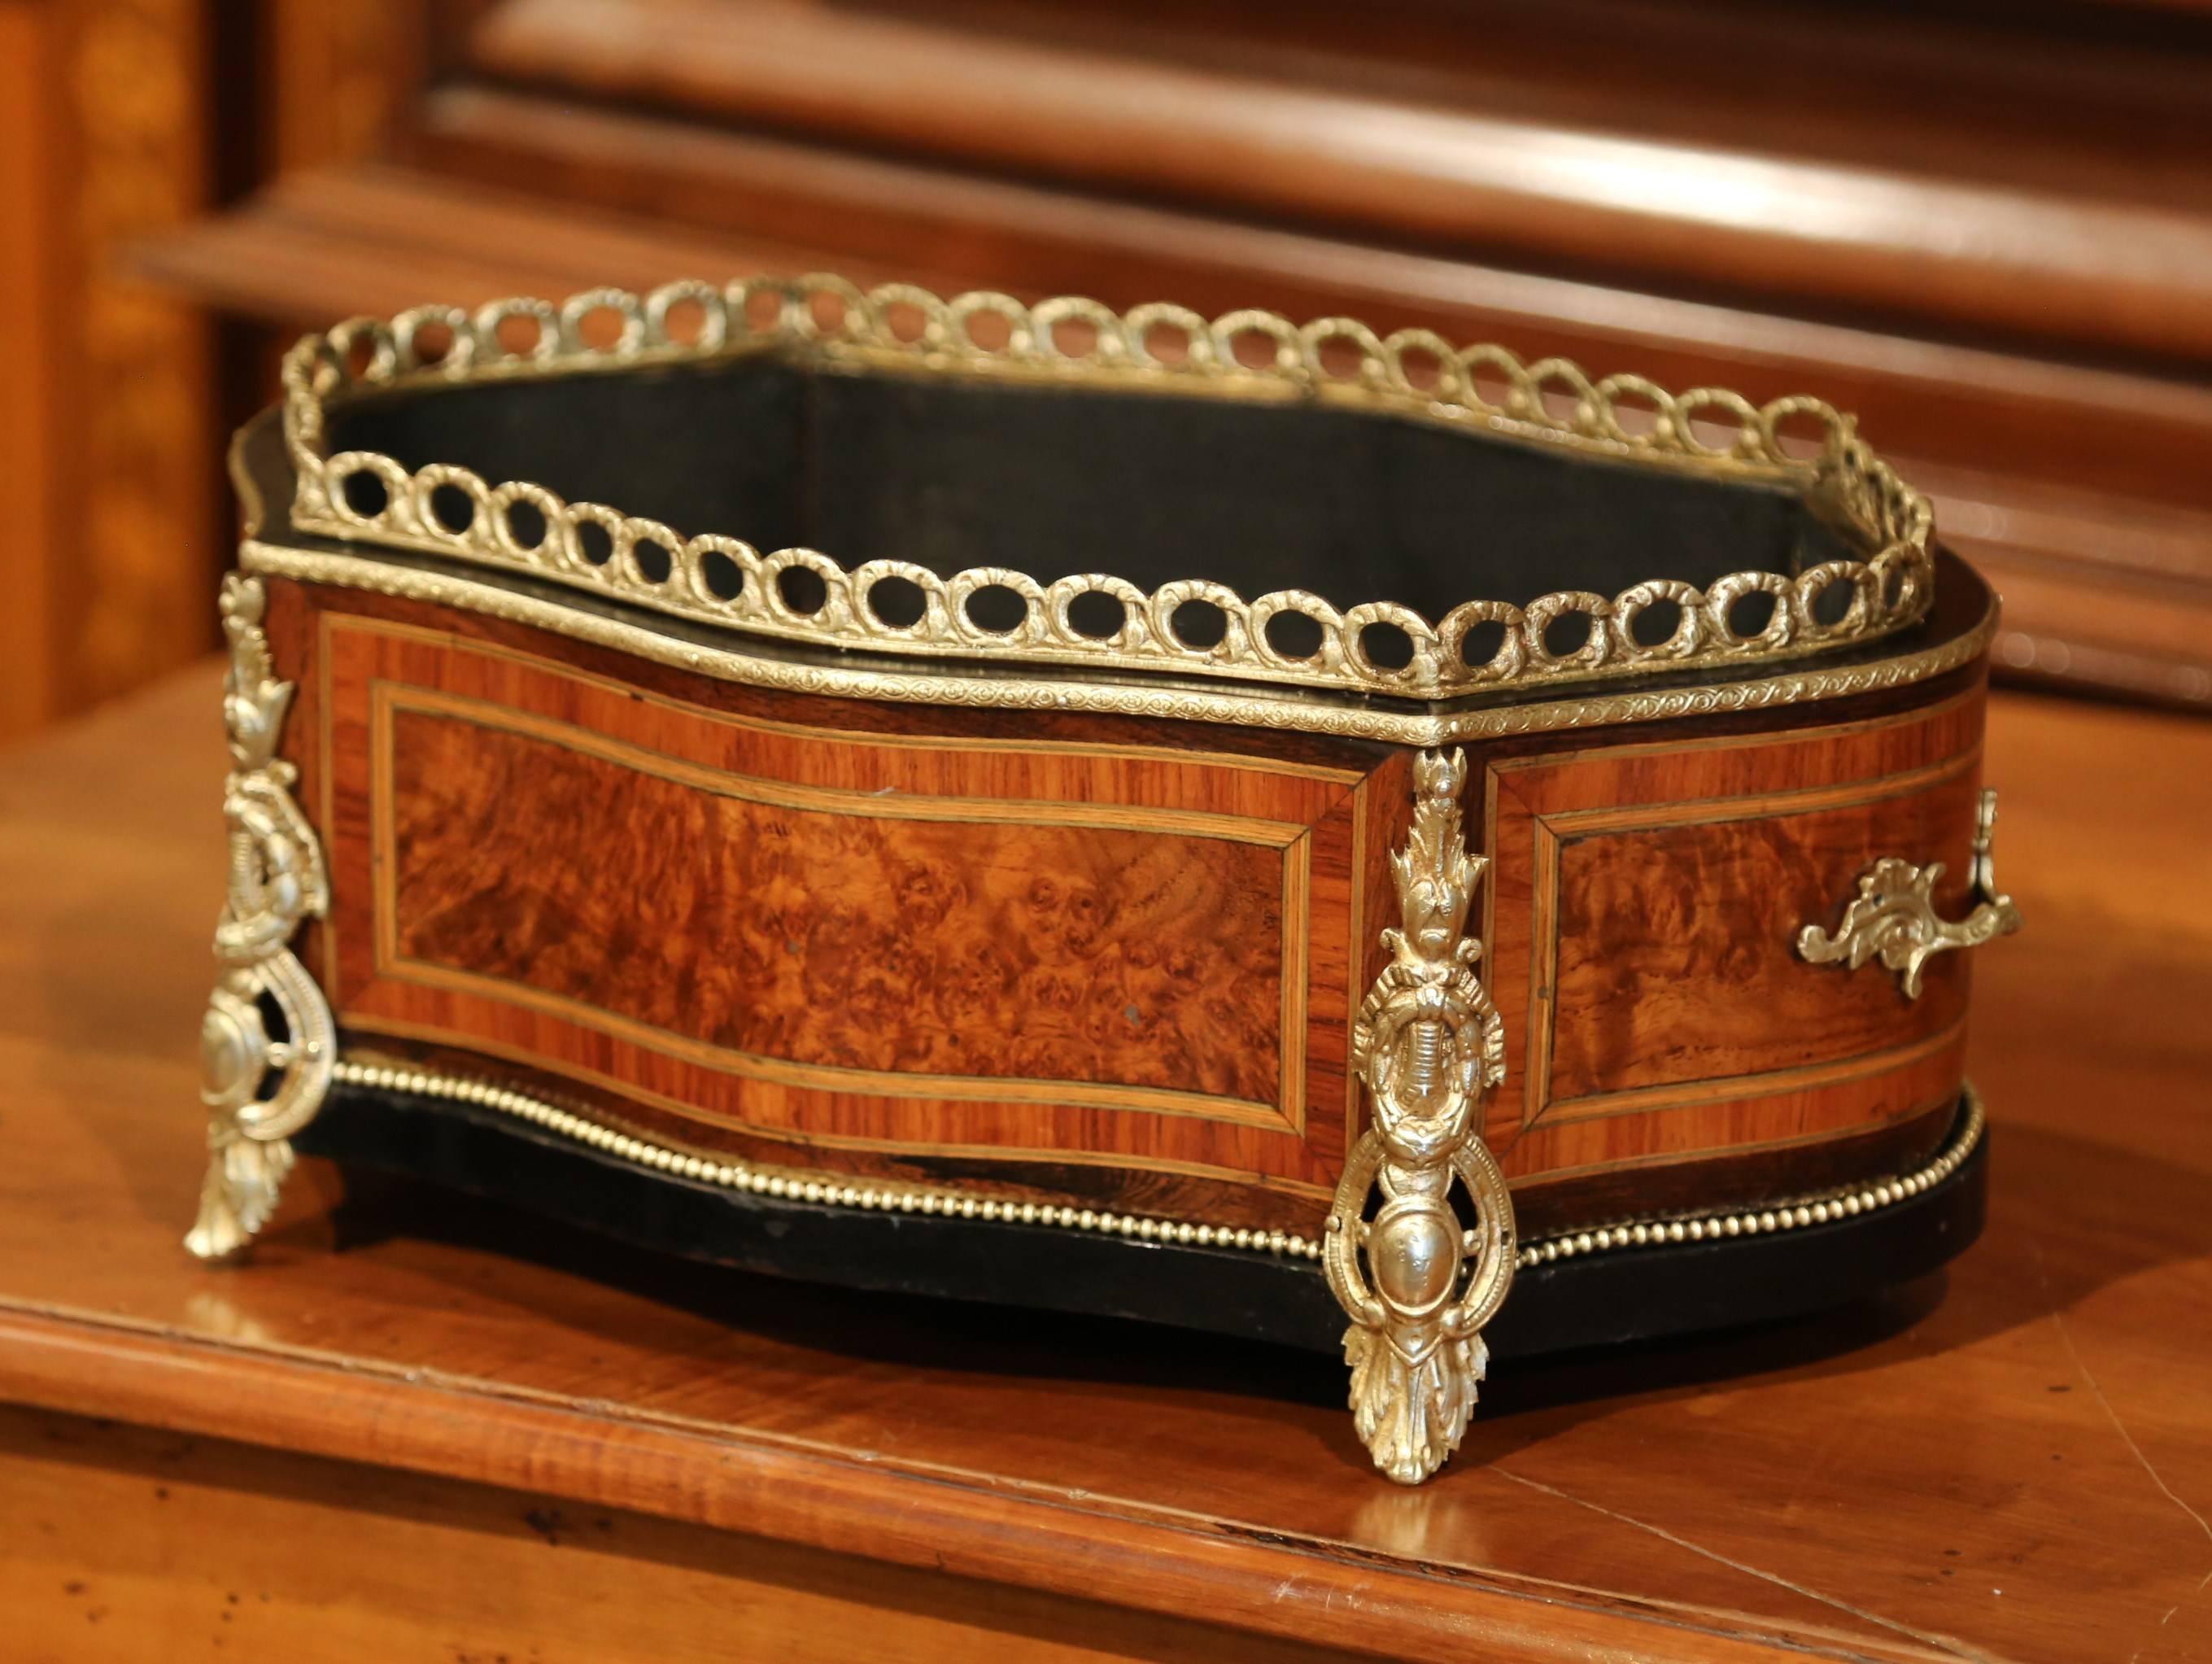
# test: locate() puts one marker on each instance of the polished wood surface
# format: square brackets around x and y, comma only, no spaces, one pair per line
[112,531]
[1981,229]
[132,1546]
[930,950]
[1647,901]
[1491,137]
[2018,1465]
[932,943]
[1110,967]
[27,698]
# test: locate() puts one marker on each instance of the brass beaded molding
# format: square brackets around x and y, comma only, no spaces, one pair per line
[831,1191]
[1852,488]
[1823,1209]
[824,1189]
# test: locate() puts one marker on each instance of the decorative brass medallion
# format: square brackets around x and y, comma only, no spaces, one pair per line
[1417,1281]
[267,1044]
[1893,917]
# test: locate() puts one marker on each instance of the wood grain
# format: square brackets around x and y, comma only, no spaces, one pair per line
[1134,960]
[2017,1468]
[111,523]
[754,201]
[125,1544]
[1678,960]
[863,951]
[28,693]
[928,941]
[1647,898]
[1302,135]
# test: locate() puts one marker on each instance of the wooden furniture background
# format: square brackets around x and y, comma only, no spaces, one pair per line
[109,413]
[417,1428]
[1986,230]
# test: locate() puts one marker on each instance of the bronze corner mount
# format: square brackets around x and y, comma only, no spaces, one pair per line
[267,1043]
[1419,1267]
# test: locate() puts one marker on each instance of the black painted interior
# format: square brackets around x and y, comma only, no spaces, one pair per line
[1354,505]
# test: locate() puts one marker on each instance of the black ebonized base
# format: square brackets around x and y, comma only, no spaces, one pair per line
[1627,1295]
[1595,1300]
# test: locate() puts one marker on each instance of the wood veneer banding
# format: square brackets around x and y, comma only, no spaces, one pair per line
[1606,1113]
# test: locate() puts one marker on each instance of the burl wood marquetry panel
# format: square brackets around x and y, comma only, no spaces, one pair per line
[1102,960]
[777,926]
[1645,902]
[851,934]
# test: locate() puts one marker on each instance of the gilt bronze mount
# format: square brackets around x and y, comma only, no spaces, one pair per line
[1417,1281]
[1893,916]
[267,1045]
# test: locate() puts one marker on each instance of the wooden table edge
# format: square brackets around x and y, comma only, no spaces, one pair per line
[1077,1545]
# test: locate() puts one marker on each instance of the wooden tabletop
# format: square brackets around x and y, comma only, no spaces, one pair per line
[2016,1464]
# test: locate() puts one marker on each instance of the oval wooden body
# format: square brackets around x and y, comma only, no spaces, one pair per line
[1106,962]
[1091,940]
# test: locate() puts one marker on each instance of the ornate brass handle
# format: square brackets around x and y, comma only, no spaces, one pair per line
[1894,918]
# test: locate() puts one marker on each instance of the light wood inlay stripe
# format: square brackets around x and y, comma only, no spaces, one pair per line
[1762,805]
[1727,1089]
[389,697]
[450,641]
[627,1087]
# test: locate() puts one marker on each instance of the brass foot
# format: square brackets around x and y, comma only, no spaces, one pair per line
[1417,1281]
[267,1044]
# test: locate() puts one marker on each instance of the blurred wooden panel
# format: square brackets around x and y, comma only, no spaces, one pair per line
[136,83]
[1932,170]
[337,75]
[103,137]
[27,636]
[2107,583]
[1987,232]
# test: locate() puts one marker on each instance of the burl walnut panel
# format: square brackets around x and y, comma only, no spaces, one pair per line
[859,936]
[1648,904]
[822,945]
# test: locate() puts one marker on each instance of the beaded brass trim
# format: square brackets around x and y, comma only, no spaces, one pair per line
[1823,1209]
[1250,708]
[824,1189]
[831,1190]
[721,580]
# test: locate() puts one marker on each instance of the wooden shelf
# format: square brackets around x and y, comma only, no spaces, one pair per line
[648,1460]
[1922,168]
[2074,489]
